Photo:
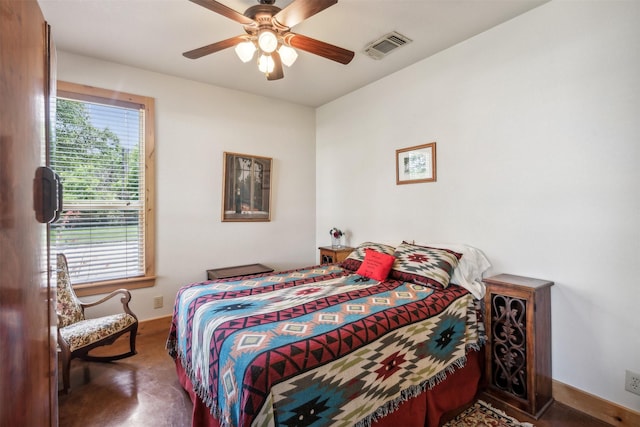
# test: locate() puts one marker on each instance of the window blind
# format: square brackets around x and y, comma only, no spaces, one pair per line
[98,151]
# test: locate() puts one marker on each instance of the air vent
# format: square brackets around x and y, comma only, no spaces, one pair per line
[387,43]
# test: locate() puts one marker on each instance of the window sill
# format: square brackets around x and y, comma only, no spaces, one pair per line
[96,288]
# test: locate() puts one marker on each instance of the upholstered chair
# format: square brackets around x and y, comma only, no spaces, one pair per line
[78,335]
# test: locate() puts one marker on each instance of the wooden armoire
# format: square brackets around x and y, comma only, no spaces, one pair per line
[28,381]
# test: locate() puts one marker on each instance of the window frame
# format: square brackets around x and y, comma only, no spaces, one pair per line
[110,97]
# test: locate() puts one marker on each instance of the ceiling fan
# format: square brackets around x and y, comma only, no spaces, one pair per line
[268,31]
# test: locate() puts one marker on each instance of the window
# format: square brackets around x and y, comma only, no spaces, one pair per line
[104,152]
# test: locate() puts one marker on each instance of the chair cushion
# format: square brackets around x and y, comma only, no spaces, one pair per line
[89,331]
[67,304]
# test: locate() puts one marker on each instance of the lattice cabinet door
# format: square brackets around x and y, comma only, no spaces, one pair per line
[518,324]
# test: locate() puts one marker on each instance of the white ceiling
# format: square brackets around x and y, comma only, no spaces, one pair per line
[152,34]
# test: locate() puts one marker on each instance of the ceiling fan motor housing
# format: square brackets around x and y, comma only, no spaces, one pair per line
[263,16]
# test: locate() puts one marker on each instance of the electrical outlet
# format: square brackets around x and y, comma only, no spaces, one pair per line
[157,302]
[632,382]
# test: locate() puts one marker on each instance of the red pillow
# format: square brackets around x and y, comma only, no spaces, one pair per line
[376,265]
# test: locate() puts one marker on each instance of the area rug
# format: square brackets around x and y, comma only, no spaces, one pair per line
[482,414]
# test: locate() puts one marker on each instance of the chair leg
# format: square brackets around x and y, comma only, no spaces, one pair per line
[66,367]
[132,339]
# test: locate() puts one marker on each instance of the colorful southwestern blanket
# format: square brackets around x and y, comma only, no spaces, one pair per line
[318,346]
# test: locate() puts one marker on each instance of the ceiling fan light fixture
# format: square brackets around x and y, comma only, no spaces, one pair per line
[245,50]
[267,40]
[266,64]
[288,55]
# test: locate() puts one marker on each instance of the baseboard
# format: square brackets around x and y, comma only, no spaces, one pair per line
[155,325]
[609,412]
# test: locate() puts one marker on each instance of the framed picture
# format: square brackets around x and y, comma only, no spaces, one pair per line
[416,164]
[246,188]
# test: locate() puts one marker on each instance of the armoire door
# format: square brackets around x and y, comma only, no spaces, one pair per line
[28,384]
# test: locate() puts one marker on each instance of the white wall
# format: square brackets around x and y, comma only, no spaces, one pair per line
[195,124]
[537,124]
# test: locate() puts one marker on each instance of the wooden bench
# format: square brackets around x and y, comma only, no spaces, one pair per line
[237,271]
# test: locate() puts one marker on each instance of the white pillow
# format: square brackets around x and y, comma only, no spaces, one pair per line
[470,269]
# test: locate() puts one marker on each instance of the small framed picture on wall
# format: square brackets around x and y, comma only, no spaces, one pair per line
[416,164]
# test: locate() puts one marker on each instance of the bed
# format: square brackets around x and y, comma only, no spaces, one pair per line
[389,337]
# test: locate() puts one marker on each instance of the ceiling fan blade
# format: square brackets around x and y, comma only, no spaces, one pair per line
[225,11]
[318,47]
[299,10]
[214,47]
[277,72]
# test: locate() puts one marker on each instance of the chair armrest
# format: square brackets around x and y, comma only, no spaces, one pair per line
[126,297]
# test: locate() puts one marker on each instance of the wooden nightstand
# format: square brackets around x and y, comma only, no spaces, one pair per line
[518,350]
[331,254]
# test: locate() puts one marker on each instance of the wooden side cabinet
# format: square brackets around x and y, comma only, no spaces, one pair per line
[518,351]
[331,254]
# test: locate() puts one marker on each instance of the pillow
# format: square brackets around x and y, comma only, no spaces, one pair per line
[470,269]
[424,265]
[355,258]
[376,265]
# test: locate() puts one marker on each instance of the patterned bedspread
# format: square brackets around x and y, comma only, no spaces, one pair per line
[318,346]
